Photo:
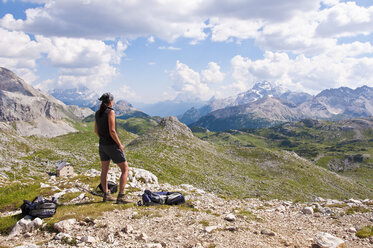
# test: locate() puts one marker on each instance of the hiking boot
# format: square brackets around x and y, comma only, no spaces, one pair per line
[123,199]
[108,197]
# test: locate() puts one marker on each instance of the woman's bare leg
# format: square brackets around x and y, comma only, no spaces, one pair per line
[105,165]
[123,177]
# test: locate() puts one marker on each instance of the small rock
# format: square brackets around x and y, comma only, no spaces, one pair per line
[25,221]
[353,201]
[326,210]
[23,225]
[352,230]
[27,246]
[153,245]
[109,238]
[127,229]
[326,240]
[88,239]
[79,198]
[142,237]
[316,205]
[37,222]
[267,232]
[307,210]
[319,199]
[27,235]
[43,185]
[62,235]
[230,217]
[209,229]
[231,228]
[281,208]
[64,225]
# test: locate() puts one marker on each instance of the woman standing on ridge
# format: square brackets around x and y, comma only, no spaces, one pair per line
[110,148]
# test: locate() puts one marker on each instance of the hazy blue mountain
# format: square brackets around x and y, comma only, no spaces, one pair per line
[82,96]
[174,107]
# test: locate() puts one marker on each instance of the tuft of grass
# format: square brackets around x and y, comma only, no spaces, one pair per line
[204,223]
[365,232]
[81,211]
[353,210]
[249,215]
[12,196]
[7,223]
[147,213]
[337,205]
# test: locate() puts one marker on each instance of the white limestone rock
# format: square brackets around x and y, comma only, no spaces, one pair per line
[23,225]
[64,225]
[209,229]
[153,245]
[61,236]
[37,222]
[143,176]
[307,210]
[230,217]
[326,240]
[88,239]
[27,246]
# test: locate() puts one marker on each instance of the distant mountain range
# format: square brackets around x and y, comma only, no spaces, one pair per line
[175,107]
[83,97]
[34,112]
[266,105]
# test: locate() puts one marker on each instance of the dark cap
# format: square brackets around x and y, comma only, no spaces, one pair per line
[106,97]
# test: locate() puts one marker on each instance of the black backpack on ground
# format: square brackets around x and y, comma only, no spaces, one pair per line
[112,187]
[155,198]
[39,207]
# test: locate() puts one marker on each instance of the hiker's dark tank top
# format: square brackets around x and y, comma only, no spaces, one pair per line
[103,127]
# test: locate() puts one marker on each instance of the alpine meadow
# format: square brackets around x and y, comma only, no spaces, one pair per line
[231,123]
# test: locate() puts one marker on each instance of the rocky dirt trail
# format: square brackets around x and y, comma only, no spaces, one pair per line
[205,221]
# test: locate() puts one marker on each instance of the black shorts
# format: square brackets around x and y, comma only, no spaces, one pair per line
[111,152]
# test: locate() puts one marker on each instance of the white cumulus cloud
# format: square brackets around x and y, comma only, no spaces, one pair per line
[212,74]
[187,81]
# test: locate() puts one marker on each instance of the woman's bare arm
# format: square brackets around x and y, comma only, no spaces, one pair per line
[112,131]
[96,129]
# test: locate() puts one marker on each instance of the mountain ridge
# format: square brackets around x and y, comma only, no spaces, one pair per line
[34,112]
[330,104]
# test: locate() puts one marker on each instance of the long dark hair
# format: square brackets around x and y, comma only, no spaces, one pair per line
[105,99]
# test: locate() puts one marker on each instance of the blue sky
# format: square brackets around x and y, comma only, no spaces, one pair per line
[149,51]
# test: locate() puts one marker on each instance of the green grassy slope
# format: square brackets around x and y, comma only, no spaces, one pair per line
[237,170]
[345,147]
[234,164]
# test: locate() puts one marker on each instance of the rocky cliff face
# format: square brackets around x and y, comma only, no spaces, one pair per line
[340,103]
[20,102]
